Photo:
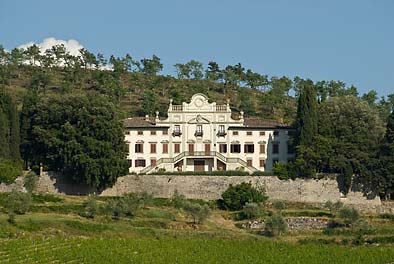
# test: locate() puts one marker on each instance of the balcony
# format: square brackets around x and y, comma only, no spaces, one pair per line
[221,134]
[176,133]
[198,133]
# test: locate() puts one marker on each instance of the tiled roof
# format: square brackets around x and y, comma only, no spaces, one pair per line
[139,122]
[264,123]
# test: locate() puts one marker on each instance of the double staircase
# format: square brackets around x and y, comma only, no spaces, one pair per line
[204,154]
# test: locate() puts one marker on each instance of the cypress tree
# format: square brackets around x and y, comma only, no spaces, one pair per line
[306,122]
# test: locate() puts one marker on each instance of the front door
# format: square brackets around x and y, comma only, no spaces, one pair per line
[199,165]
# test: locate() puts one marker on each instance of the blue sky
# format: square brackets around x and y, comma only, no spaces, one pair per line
[348,40]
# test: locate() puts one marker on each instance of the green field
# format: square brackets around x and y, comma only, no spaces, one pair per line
[54,232]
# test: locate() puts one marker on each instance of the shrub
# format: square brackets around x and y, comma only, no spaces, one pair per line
[178,200]
[275,225]
[198,212]
[16,203]
[42,198]
[236,196]
[333,206]
[30,181]
[279,205]
[9,171]
[91,208]
[251,211]
[349,215]
[128,205]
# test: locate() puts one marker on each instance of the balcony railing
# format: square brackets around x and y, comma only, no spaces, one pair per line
[177,108]
[221,133]
[198,133]
[176,133]
[221,108]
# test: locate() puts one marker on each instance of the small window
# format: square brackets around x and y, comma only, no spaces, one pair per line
[235,133]
[276,133]
[223,148]
[140,163]
[177,148]
[127,132]
[139,148]
[249,133]
[140,132]
[153,148]
[153,133]
[235,148]
[165,148]
[275,148]
[248,148]
[262,163]
[191,148]
[262,133]
[177,128]
[130,162]
[153,162]
[165,132]
[290,147]
[262,148]
[221,129]
[249,162]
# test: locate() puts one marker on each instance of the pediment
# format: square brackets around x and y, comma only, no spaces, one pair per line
[199,120]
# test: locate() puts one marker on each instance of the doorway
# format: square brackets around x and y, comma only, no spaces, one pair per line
[199,165]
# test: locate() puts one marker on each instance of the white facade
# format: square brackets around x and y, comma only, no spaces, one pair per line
[200,136]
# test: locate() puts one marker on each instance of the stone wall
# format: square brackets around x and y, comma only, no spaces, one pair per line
[17,186]
[211,187]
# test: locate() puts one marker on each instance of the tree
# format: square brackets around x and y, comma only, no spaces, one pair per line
[275,225]
[16,203]
[31,181]
[306,129]
[151,66]
[370,97]
[149,102]
[236,196]
[213,72]
[80,136]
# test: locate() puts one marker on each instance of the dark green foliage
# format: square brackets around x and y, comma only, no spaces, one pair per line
[128,205]
[275,225]
[279,205]
[236,196]
[30,181]
[79,136]
[9,128]
[9,171]
[44,198]
[348,215]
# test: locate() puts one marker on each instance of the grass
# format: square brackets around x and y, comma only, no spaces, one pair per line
[53,231]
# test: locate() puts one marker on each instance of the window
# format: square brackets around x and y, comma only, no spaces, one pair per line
[140,163]
[139,148]
[249,162]
[235,148]
[130,162]
[127,132]
[275,148]
[140,132]
[262,133]
[207,148]
[235,133]
[223,148]
[165,132]
[262,163]
[153,162]
[177,148]
[165,148]
[276,133]
[153,148]
[177,130]
[221,131]
[290,147]
[153,133]
[127,147]
[191,148]
[249,133]
[248,148]
[198,131]
[262,148]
